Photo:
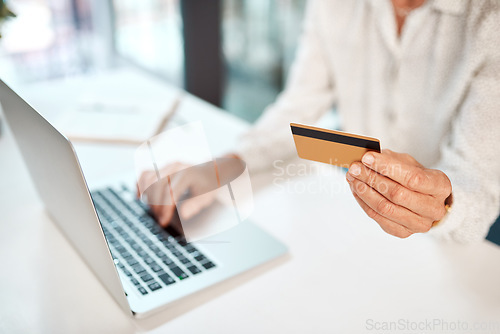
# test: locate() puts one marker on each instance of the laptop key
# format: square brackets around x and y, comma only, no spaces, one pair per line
[154,286]
[169,263]
[177,253]
[172,265]
[146,277]
[157,230]
[156,268]
[138,269]
[125,254]
[142,290]
[162,238]
[160,254]
[136,246]
[127,238]
[170,247]
[146,220]
[131,225]
[194,270]
[179,273]
[126,272]
[189,248]
[200,257]
[150,244]
[135,282]
[131,261]
[143,254]
[166,279]
[208,265]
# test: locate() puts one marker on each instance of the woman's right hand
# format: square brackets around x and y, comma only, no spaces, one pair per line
[190,189]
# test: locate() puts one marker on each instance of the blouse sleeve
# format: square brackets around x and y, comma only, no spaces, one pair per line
[471,154]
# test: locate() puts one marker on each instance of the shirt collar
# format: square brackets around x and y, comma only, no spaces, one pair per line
[453,7]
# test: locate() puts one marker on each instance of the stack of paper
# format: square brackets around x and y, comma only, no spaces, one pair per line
[125,120]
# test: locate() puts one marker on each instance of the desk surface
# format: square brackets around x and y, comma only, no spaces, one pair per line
[342,275]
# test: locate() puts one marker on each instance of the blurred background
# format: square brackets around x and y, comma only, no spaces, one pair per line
[232,53]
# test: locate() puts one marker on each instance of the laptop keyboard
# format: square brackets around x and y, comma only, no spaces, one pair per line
[148,255]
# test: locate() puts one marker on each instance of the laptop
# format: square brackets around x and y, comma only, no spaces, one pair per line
[144,267]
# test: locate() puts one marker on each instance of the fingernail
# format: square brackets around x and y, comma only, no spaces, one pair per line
[349,177]
[354,170]
[368,159]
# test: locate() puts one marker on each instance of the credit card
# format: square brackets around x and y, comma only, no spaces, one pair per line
[331,147]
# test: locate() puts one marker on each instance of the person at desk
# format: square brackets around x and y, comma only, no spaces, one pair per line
[424,77]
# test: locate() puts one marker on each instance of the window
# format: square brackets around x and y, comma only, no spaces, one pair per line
[259,42]
[149,33]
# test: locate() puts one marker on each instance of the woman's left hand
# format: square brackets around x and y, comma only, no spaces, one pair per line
[400,194]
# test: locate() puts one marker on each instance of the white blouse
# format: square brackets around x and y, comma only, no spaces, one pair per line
[433,92]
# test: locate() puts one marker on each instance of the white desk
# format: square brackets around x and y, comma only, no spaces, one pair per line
[341,271]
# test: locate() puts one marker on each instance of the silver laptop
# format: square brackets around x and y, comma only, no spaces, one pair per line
[143,266]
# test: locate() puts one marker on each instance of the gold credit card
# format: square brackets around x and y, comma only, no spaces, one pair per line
[331,147]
